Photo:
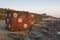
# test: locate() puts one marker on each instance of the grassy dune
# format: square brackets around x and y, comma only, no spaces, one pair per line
[3,10]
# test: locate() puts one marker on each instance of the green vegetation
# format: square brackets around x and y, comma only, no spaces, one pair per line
[2,13]
[3,10]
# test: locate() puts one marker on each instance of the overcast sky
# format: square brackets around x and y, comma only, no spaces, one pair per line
[51,7]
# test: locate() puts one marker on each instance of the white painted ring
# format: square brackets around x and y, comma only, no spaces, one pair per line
[15,15]
[20,20]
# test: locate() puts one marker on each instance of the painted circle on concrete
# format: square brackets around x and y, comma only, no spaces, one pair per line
[20,20]
[15,15]
[25,25]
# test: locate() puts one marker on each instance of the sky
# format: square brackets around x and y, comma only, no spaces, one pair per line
[51,7]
